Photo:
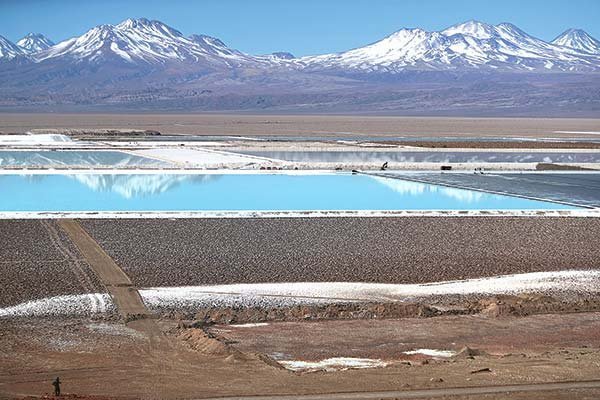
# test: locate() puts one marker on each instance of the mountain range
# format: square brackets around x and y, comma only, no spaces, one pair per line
[470,45]
[144,64]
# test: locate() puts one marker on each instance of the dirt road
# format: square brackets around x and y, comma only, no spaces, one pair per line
[118,284]
[432,393]
[128,301]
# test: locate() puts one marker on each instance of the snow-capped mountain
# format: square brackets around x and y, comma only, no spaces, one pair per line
[473,45]
[9,50]
[141,41]
[34,42]
[470,45]
[144,64]
[579,40]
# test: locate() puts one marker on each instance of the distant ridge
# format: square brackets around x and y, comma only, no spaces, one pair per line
[471,44]
[146,64]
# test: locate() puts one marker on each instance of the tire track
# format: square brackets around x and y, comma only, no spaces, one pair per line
[124,294]
[128,301]
[74,262]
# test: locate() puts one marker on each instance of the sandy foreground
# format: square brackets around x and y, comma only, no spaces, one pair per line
[172,358]
[462,336]
[111,359]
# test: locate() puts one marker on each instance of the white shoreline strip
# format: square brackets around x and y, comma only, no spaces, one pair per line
[585,281]
[164,171]
[579,132]
[140,170]
[381,148]
[281,294]
[67,305]
[583,213]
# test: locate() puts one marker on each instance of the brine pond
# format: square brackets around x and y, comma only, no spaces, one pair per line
[428,156]
[80,158]
[241,191]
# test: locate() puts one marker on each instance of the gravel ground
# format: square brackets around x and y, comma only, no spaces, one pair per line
[343,126]
[388,339]
[386,250]
[37,260]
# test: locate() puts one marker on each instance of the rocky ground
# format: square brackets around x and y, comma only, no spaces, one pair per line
[37,260]
[389,339]
[385,250]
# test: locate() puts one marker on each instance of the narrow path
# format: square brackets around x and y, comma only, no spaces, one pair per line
[129,304]
[124,294]
[431,393]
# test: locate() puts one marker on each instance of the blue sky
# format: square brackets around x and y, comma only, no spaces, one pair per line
[299,26]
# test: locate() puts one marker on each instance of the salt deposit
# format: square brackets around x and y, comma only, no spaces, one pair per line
[332,364]
[310,293]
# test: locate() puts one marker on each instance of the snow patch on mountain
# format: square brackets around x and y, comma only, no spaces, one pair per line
[578,39]
[34,42]
[473,29]
[9,50]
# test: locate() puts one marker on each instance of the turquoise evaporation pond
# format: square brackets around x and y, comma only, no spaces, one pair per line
[205,192]
[77,158]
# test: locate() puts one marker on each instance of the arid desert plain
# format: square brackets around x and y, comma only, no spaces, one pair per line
[299,257]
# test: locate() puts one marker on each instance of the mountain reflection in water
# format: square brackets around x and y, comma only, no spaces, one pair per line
[83,158]
[132,186]
[241,191]
[416,188]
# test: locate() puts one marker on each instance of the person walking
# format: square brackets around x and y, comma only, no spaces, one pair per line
[56,385]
